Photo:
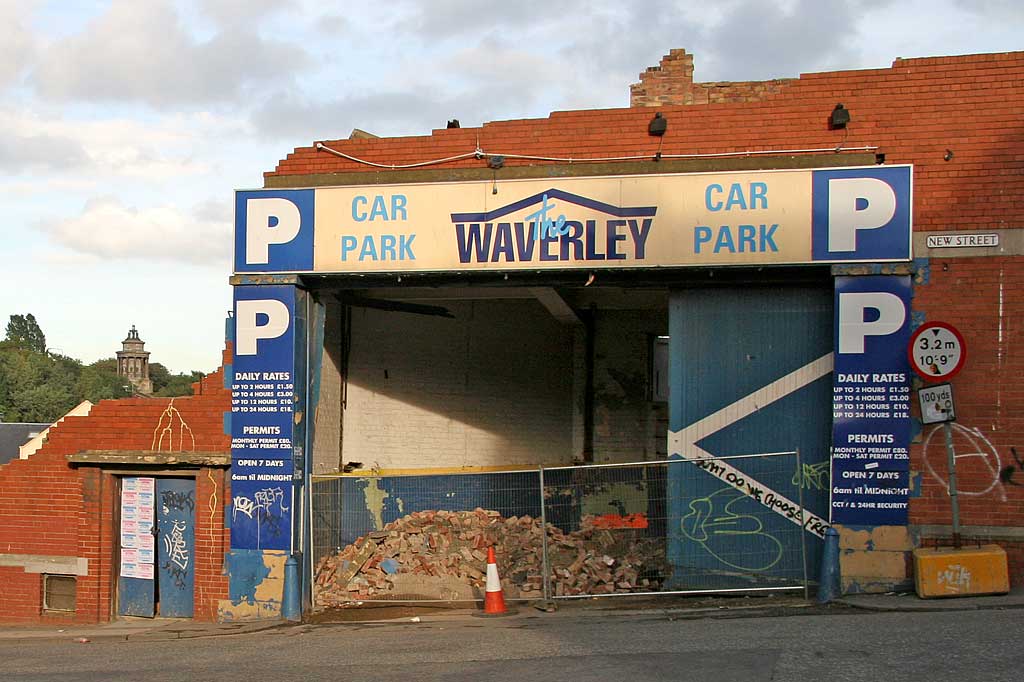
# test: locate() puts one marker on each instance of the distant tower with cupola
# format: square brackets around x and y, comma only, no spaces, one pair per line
[133,363]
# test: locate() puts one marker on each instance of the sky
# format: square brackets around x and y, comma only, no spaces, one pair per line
[128,124]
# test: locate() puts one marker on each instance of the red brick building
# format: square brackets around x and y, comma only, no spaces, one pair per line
[390,393]
[955,120]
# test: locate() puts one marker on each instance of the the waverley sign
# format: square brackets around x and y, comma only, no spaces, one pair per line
[840,215]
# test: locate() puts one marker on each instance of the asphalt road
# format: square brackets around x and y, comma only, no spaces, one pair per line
[964,646]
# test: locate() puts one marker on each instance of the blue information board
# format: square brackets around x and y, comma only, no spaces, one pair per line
[262,400]
[871,401]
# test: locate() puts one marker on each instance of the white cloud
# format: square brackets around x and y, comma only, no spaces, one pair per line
[22,189]
[143,52]
[111,230]
[114,147]
[234,11]
[809,36]
[17,43]
[441,19]
[1009,10]
[20,153]
[383,113]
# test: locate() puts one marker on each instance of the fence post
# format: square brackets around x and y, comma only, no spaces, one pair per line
[828,585]
[803,521]
[291,607]
[544,538]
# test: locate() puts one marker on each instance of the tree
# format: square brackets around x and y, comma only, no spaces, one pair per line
[24,331]
[177,384]
[100,381]
[36,387]
[159,375]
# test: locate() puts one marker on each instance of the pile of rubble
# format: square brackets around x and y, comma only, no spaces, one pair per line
[443,555]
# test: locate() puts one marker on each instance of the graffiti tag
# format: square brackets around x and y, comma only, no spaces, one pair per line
[714,524]
[179,501]
[266,507]
[955,578]
[177,553]
[978,448]
[1006,475]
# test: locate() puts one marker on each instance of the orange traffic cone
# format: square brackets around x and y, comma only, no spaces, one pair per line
[494,600]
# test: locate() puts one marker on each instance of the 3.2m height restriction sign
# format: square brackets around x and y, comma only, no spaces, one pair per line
[936,351]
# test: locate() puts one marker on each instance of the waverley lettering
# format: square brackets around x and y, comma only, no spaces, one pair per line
[540,237]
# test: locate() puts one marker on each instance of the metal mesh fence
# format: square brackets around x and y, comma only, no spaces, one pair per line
[672,527]
[425,538]
[564,532]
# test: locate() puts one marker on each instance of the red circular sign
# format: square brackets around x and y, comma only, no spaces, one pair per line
[937,351]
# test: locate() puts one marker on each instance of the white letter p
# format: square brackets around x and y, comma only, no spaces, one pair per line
[845,219]
[260,233]
[248,332]
[852,327]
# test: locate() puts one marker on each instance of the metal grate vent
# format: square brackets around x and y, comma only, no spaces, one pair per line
[59,592]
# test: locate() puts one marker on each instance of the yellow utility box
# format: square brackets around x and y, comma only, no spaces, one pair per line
[969,571]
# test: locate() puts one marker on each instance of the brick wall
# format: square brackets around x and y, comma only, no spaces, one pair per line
[671,82]
[983,298]
[327,418]
[628,426]
[52,509]
[490,387]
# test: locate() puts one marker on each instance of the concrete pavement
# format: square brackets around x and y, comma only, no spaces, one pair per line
[908,601]
[671,607]
[133,629]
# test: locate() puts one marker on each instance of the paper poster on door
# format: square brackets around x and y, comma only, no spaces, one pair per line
[137,520]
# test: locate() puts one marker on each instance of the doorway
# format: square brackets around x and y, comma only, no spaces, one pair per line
[157,543]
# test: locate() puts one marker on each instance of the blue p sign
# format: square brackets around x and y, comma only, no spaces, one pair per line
[274,231]
[861,214]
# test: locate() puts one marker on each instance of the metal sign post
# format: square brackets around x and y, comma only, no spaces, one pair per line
[937,406]
[953,499]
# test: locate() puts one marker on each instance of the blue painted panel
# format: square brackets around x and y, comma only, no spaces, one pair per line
[280,238]
[861,213]
[248,570]
[518,494]
[262,409]
[135,596]
[176,539]
[725,346]
[871,401]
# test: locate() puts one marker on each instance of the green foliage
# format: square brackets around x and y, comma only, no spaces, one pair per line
[34,386]
[159,375]
[99,381]
[24,331]
[37,386]
[177,384]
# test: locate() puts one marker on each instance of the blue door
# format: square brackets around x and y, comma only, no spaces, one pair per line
[750,373]
[176,539]
[157,541]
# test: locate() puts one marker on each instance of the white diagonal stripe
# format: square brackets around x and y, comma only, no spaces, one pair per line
[684,442]
[748,405]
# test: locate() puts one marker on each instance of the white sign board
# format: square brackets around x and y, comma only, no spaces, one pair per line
[962,241]
[936,404]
